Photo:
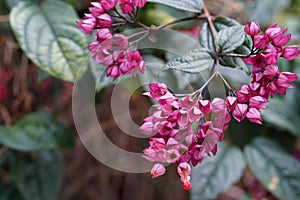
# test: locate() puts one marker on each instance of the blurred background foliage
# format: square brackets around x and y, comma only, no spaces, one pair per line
[42,158]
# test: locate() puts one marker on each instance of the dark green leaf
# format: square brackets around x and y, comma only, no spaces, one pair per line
[217,173]
[282,115]
[9,191]
[187,5]
[220,23]
[228,39]
[49,36]
[37,131]
[235,62]
[276,170]
[235,77]
[38,178]
[193,62]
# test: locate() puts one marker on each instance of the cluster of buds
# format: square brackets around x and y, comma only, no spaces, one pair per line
[181,132]
[267,80]
[109,49]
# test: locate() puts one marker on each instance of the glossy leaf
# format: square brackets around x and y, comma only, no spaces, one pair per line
[228,39]
[187,5]
[193,62]
[38,177]
[37,131]
[278,172]
[47,33]
[217,173]
[282,115]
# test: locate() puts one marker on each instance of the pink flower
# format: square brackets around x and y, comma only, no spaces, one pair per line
[126,6]
[272,54]
[147,128]
[103,34]
[231,102]
[252,28]
[204,106]
[290,76]
[258,62]
[96,10]
[139,3]
[157,170]
[136,62]
[88,24]
[254,116]
[290,52]
[244,94]
[271,71]
[257,102]
[113,71]
[240,112]
[104,20]
[218,105]
[260,41]
[184,171]
[108,4]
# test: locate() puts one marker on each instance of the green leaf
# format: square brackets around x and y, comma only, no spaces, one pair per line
[245,197]
[38,178]
[220,23]
[278,172]
[9,191]
[235,62]
[187,5]
[217,173]
[47,33]
[236,77]
[282,115]
[35,132]
[194,61]
[228,39]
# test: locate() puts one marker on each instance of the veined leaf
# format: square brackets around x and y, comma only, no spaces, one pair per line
[193,62]
[38,178]
[217,173]
[187,5]
[228,39]
[283,117]
[275,169]
[47,33]
[37,131]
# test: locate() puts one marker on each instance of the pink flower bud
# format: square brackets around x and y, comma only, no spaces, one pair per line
[147,128]
[113,71]
[252,28]
[280,39]
[108,4]
[126,6]
[204,106]
[240,112]
[139,3]
[258,102]
[290,53]
[260,41]
[96,10]
[231,102]
[88,24]
[157,170]
[103,34]
[104,20]
[254,116]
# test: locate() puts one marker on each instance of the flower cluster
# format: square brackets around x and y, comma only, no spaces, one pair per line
[181,133]
[267,80]
[112,50]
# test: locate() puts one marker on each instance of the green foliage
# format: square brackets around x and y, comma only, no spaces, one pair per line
[282,115]
[217,173]
[38,177]
[9,191]
[35,132]
[193,62]
[187,5]
[48,34]
[228,39]
[276,170]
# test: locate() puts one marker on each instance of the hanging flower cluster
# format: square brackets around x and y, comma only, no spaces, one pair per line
[112,50]
[184,130]
[267,80]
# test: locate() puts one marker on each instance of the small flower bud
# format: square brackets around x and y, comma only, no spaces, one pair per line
[252,28]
